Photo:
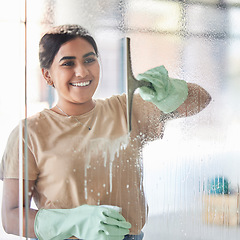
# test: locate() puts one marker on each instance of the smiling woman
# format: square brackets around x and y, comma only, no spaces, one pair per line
[77,177]
[72,67]
[75,75]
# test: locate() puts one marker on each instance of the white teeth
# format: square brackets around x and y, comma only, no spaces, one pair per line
[81,84]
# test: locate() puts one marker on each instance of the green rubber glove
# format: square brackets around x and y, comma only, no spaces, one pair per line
[166,93]
[85,222]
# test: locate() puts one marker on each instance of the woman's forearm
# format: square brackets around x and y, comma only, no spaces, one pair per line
[198,98]
[12,220]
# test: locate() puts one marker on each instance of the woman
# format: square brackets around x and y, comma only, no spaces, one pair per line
[79,154]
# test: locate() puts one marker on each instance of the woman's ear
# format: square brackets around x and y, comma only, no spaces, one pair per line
[47,76]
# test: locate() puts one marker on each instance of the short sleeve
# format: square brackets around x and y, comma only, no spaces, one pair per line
[9,167]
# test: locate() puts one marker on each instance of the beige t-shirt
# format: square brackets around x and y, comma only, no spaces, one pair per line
[74,166]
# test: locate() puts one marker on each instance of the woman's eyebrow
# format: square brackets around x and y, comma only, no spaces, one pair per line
[89,54]
[67,58]
[72,57]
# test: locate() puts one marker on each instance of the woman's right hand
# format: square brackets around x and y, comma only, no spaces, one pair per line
[165,92]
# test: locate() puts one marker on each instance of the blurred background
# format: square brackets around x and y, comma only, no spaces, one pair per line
[192,175]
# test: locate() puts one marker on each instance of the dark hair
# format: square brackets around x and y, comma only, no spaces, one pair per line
[51,42]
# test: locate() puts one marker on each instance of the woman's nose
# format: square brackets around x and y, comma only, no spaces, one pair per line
[81,71]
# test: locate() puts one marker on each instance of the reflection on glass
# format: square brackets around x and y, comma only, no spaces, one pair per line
[191,176]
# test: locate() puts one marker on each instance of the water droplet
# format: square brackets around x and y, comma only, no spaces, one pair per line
[127,186]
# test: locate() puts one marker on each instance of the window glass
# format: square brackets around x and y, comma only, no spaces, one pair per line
[234,2]
[191,175]
[205,1]
[155,14]
[234,25]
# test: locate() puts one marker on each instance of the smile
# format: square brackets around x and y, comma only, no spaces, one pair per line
[81,84]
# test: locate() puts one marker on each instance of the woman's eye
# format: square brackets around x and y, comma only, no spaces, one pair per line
[89,60]
[68,64]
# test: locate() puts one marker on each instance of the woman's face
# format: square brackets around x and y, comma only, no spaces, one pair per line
[74,72]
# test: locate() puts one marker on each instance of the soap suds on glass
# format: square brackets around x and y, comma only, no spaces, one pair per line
[108,150]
